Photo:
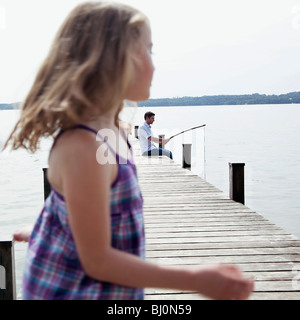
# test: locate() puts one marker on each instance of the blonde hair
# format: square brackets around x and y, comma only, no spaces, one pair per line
[86,72]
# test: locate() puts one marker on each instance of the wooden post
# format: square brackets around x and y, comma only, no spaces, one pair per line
[186,156]
[161,136]
[136,131]
[7,270]
[236,182]
[47,188]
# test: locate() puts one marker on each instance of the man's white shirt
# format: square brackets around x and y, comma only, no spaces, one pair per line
[144,133]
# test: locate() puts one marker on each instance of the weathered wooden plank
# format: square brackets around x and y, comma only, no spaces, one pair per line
[217,239]
[223,234]
[287,245]
[274,295]
[224,259]
[217,227]
[252,266]
[203,216]
[260,286]
[254,296]
[273,276]
[222,252]
[192,204]
[158,221]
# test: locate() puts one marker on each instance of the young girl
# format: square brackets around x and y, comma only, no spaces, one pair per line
[88,242]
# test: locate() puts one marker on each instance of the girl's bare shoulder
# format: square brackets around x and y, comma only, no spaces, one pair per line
[74,151]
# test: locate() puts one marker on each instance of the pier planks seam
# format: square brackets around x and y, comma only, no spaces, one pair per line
[188,221]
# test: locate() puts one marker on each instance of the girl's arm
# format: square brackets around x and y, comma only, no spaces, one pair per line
[23,234]
[86,188]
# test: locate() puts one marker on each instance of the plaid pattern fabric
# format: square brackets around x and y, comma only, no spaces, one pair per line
[53,270]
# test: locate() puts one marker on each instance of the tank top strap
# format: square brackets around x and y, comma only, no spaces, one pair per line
[84,127]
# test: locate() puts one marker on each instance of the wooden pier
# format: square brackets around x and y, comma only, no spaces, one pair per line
[190,222]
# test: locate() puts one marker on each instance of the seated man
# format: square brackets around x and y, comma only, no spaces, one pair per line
[147,140]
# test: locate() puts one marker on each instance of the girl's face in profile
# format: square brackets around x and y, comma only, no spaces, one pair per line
[139,89]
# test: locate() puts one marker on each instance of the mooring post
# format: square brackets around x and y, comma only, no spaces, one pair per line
[7,270]
[186,156]
[47,188]
[237,182]
[136,132]
[161,136]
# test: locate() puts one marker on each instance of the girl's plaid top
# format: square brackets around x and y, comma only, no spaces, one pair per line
[53,269]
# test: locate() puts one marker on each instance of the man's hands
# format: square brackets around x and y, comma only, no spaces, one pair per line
[163,141]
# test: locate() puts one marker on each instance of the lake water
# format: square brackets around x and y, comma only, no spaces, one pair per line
[264,137]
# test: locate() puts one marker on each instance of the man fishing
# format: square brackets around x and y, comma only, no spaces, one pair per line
[147,140]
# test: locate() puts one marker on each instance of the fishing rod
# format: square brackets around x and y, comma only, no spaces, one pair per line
[177,134]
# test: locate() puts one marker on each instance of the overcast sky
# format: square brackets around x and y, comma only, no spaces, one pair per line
[201,47]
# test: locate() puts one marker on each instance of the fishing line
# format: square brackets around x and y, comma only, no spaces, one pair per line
[204,143]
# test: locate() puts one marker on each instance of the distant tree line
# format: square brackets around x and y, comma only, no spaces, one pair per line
[6,106]
[9,106]
[244,99]
[293,97]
